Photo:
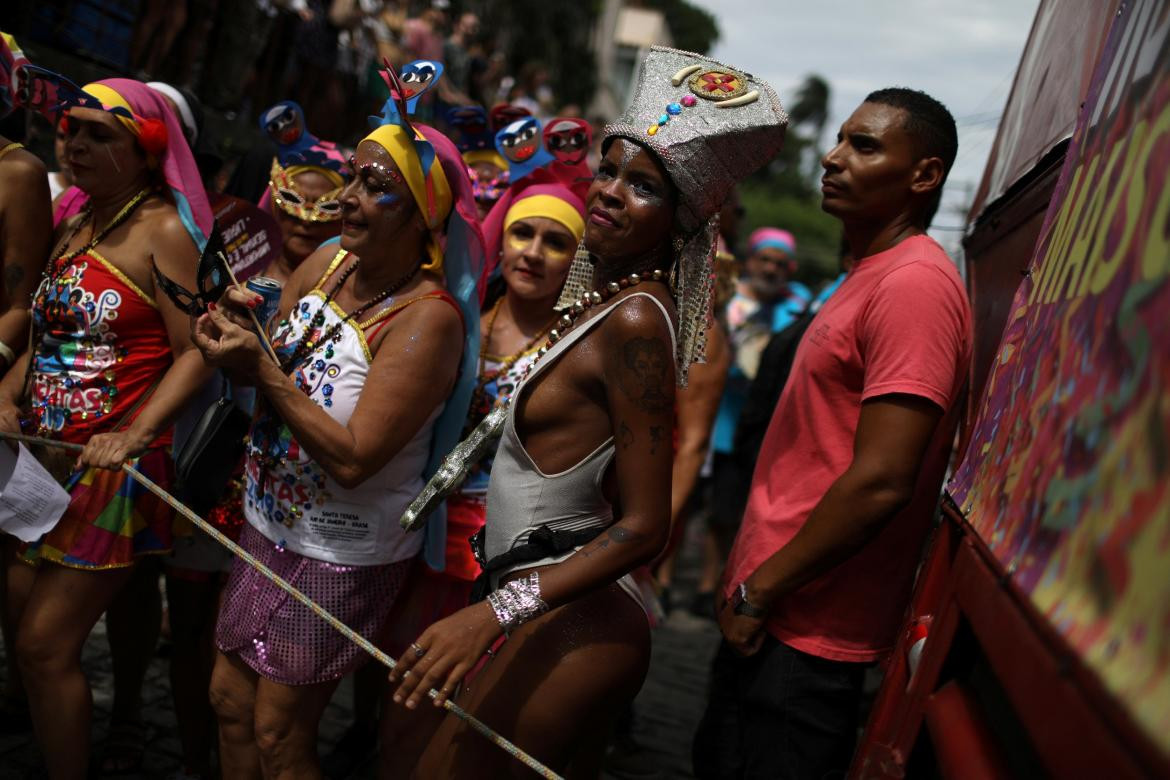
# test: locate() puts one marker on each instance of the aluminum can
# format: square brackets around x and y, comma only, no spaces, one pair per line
[269,290]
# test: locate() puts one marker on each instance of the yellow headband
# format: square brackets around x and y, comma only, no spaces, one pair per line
[334,177]
[401,149]
[485,156]
[550,207]
[111,99]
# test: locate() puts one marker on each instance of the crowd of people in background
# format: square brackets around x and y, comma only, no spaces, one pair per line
[430,274]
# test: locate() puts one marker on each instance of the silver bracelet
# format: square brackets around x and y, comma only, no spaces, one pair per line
[518,602]
[8,354]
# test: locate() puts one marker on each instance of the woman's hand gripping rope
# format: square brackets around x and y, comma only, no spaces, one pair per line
[476,724]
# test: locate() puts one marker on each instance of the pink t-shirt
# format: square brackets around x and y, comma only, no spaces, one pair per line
[899,323]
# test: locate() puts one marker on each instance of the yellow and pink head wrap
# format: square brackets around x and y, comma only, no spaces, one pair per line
[430,190]
[148,116]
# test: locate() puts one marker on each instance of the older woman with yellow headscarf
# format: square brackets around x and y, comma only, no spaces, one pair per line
[370,339]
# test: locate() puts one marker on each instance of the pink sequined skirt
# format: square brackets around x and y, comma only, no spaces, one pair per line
[282,639]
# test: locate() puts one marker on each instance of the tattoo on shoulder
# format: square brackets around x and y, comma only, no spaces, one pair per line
[13,276]
[625,436]
[645,374]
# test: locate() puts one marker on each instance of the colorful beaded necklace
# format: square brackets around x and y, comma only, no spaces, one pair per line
[305,345]
[506,362]
[60,262]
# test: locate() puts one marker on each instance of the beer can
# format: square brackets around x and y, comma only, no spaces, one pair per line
[269,290]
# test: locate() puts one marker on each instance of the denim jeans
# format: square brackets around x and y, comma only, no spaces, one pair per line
[780,713]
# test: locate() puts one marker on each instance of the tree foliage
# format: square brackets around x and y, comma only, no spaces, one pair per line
[556,35]
[786,193]
[693,28]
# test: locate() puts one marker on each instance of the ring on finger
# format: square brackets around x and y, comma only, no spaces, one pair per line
[419,650]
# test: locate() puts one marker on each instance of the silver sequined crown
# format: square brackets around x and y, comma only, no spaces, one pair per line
[710,124]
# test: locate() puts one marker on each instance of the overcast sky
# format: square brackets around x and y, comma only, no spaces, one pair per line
[963,52]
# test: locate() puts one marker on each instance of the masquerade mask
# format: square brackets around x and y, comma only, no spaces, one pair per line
[293,202]
[211,277]
[568,139]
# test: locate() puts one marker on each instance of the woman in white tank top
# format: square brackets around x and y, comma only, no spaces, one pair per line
[580,488]
[370,342]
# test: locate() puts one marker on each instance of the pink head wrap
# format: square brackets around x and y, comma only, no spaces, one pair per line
[559,181]
[770,237]
[176,161]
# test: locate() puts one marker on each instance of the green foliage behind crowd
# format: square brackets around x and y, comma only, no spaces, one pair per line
[787,194]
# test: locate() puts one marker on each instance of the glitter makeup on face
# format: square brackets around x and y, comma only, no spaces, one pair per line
[388,199]
[629,152]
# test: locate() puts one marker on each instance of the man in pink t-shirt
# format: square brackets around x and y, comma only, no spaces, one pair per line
[849,472]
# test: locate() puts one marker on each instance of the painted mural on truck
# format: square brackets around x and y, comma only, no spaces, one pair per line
[1067,475]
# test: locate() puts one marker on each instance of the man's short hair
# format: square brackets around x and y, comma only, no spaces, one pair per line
[931,126]
[927,120]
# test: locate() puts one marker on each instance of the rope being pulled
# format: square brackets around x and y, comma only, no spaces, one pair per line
[478,725]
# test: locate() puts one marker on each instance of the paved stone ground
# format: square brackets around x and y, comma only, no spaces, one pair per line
[665,712]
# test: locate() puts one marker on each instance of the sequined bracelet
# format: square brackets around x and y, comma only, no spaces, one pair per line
[518,602]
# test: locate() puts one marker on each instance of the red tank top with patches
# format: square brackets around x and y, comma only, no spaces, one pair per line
[101,344]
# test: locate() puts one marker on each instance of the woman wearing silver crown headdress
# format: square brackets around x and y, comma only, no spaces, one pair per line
[580,487]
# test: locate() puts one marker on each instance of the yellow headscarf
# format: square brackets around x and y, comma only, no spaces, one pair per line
[550,207]
[111,99]
[432,192]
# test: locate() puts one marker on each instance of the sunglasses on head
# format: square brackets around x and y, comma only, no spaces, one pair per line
[212,278]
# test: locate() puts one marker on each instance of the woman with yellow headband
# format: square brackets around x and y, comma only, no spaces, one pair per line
[534,230]
[111,367]
[370,345]
[306,178]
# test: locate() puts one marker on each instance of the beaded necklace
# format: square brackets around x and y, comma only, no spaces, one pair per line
[588,301]
[306,344]
[505,362]
[455,466]
[60,262]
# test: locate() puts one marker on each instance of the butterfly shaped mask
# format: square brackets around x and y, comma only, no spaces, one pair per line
[211,276]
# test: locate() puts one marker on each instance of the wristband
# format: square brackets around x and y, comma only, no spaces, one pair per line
[518,602]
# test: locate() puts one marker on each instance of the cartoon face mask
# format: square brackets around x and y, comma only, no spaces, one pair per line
[568,139]
[505,114]
[291,201]
[416,78]
[284,123]
[49,93]
[470,126]
[522,145]
[520,140]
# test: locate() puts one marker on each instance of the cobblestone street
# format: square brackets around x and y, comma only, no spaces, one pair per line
[665,712]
